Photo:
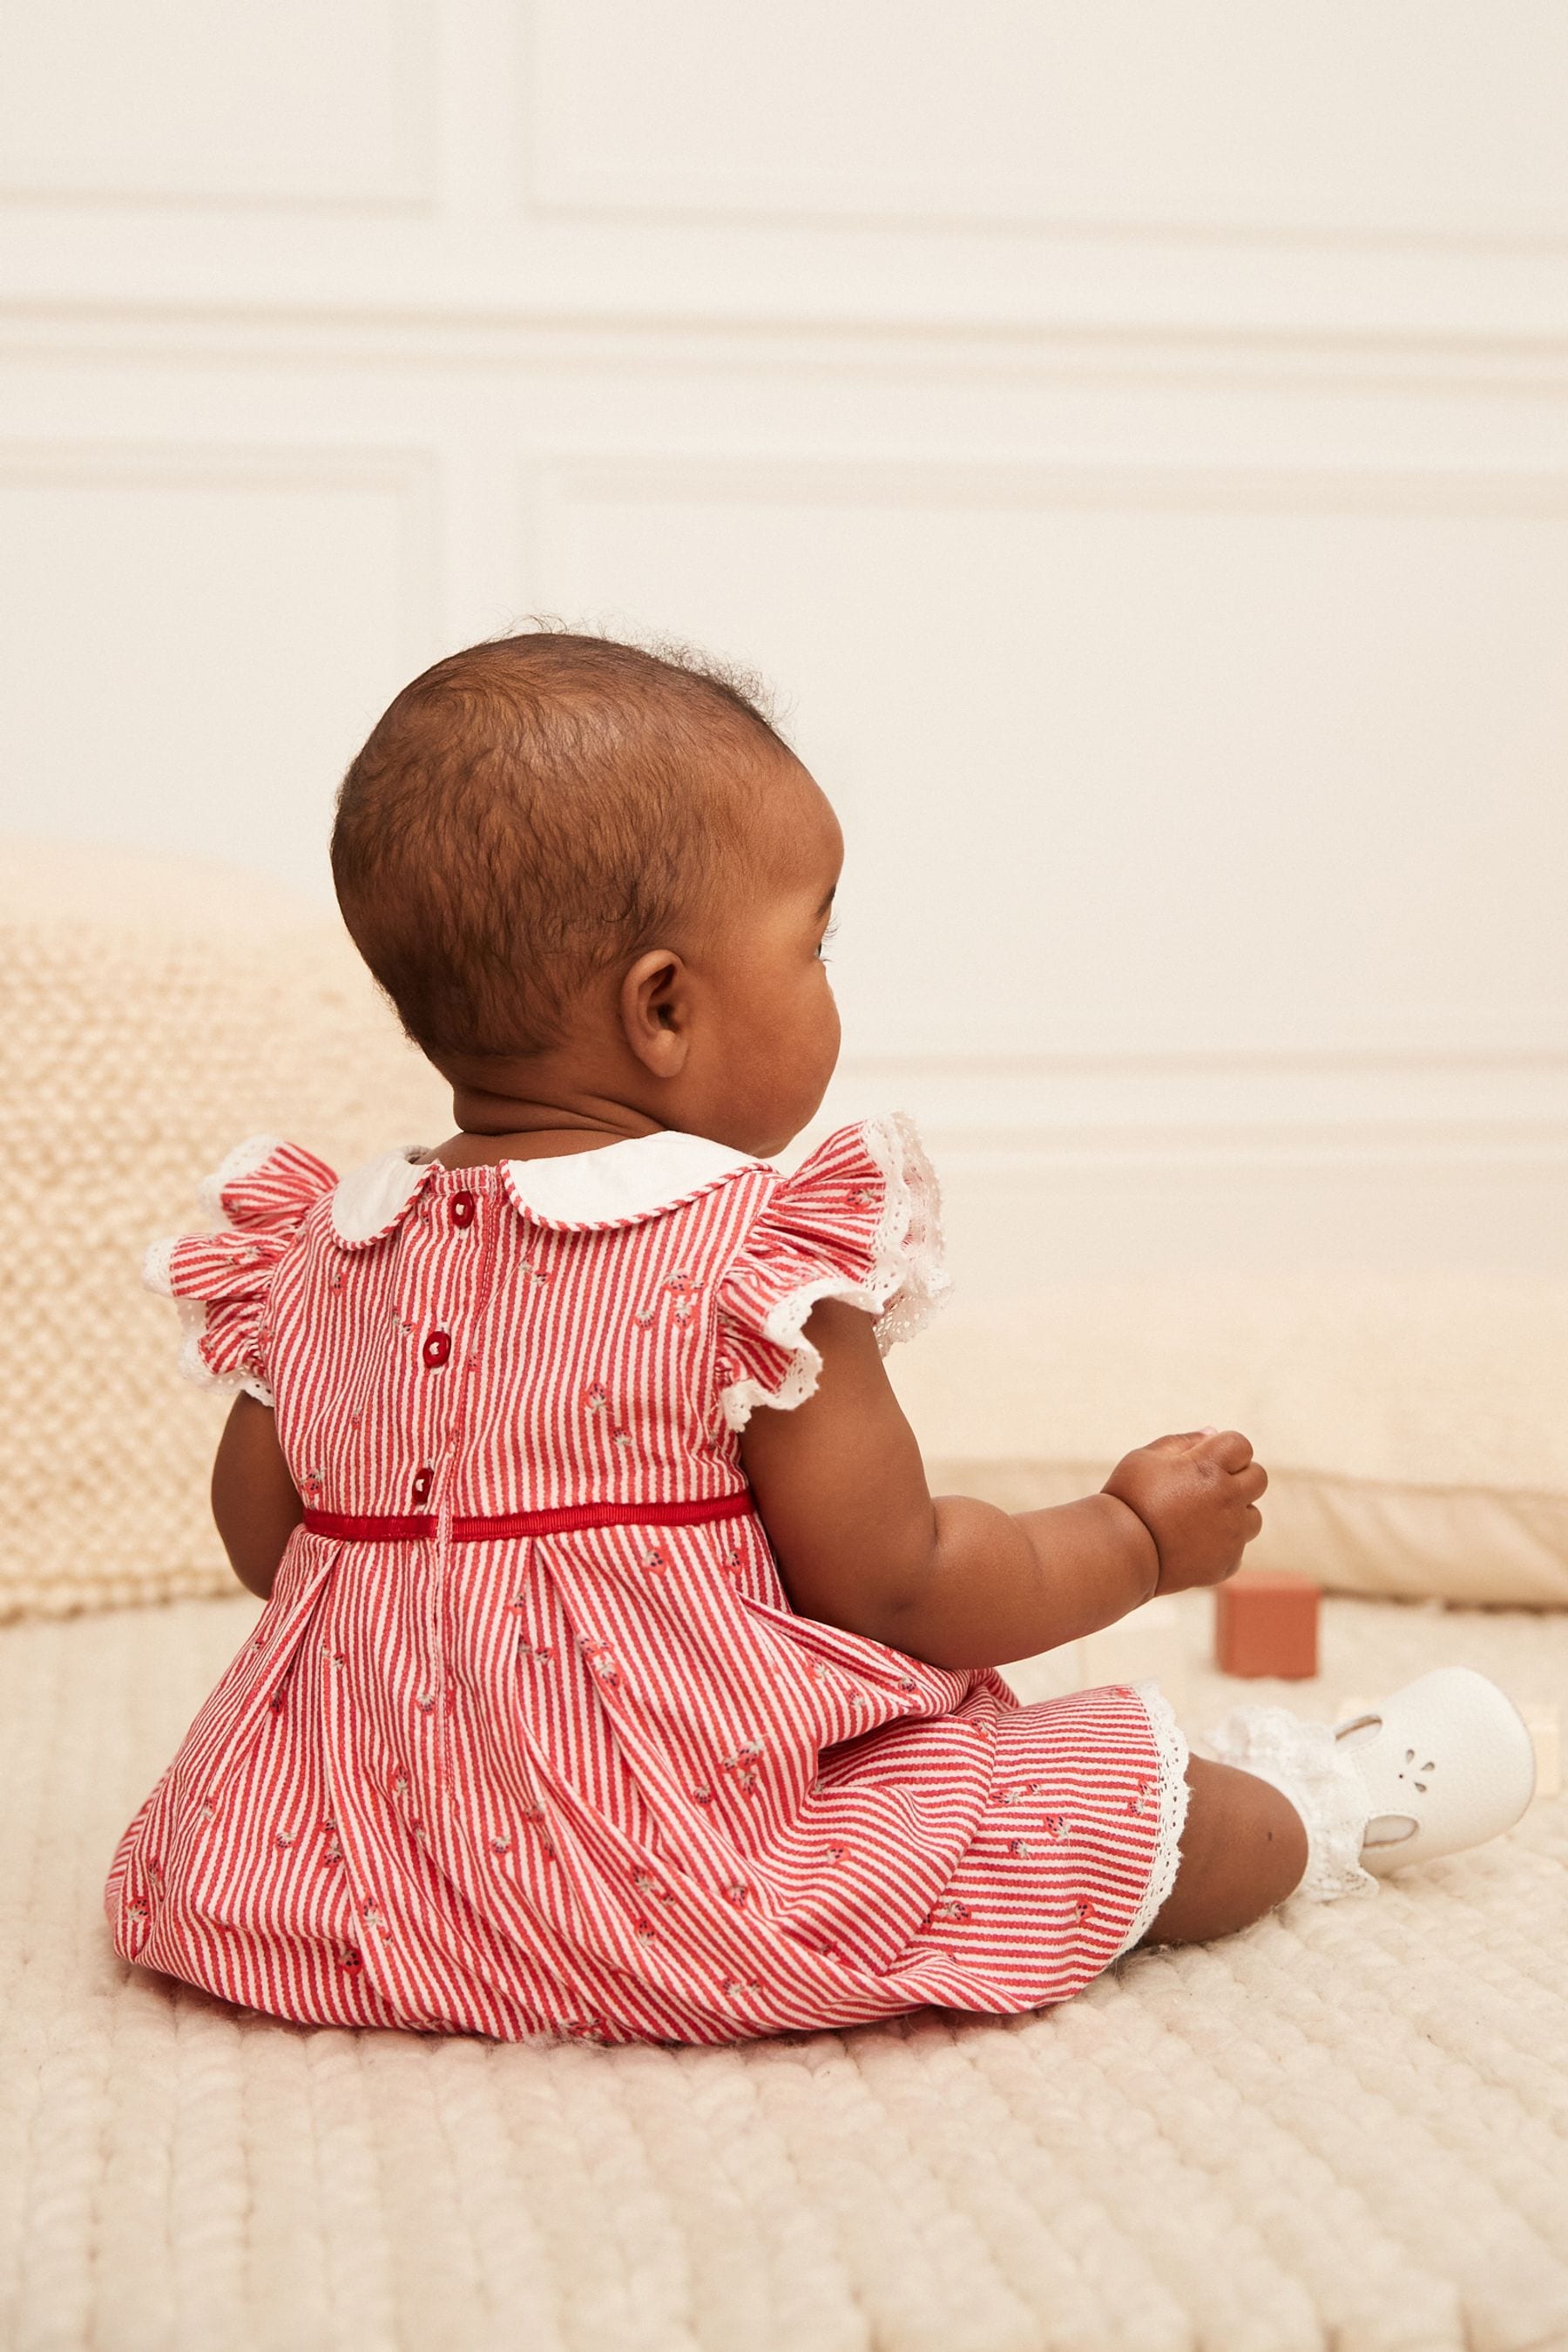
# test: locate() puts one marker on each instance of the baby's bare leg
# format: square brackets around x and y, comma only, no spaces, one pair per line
[1243,1849]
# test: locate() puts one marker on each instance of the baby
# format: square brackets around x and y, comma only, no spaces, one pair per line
[619,1677]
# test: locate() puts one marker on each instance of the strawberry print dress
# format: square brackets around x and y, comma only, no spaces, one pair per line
[529,1739]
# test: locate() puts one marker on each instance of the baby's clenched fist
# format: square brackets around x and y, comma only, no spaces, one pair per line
[1198,1495]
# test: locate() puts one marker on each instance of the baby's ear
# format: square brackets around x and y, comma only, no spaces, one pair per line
[653,1010]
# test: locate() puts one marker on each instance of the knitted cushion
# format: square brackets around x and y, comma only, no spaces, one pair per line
[156,1015]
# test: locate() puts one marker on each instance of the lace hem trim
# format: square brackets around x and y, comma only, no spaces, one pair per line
[190,1363]
[905,1270]
[242,1162]
[908,1251]
[1307,1764]
[155,1267]
[1171,1746]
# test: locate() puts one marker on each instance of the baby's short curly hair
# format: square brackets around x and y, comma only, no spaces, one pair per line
[530,811]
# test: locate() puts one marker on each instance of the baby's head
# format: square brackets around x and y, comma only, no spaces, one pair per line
[595,880]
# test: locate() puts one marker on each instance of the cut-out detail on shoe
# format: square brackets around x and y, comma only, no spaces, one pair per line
[1390,1829]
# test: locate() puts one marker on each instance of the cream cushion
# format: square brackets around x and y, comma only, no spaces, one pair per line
[159,1013]
[1415,1431]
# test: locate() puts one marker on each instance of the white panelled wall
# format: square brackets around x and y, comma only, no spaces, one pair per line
[1133,440]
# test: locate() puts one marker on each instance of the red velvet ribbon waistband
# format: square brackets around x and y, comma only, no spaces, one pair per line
[420,1526]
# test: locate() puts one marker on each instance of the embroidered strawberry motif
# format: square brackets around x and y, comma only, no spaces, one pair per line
[742,1766]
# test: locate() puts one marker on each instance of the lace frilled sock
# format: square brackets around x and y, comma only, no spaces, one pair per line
[1319,1774]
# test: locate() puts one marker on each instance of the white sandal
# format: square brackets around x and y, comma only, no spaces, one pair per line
[1447,1762]
[1442,1764]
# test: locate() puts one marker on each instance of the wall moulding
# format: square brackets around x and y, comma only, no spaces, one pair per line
[509,331]
[294,109]
[1249,1114]
[233,465]
[408,474]
[628,479]
[1099,123]
[608,197]
[1298,1143]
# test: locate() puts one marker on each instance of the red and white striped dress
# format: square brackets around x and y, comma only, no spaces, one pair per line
[591,1774]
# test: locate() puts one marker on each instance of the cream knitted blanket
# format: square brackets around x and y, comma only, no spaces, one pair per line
[1343,2131]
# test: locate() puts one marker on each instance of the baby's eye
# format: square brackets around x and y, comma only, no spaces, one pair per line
[830,933]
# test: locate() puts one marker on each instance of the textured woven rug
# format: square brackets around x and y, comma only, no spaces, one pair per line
[1346,2128]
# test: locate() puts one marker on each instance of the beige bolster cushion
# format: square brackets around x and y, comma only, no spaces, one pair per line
[1415,1429]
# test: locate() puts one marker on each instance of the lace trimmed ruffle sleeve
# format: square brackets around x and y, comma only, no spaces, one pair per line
[860,1220]
[220,1281]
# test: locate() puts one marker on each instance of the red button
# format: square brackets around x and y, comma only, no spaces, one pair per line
[437,1347]
[422,1483]
[462,1208]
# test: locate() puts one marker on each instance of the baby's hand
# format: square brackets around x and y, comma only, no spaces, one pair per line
[1198,1495]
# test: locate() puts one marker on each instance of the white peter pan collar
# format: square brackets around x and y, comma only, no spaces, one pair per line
[618,1184]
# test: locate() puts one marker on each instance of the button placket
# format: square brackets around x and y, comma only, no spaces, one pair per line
[438,1700]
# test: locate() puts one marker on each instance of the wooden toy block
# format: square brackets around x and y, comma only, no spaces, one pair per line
[1546,1731]
[1267,1624]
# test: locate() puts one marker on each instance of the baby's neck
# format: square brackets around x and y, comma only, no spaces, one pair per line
[495,1123]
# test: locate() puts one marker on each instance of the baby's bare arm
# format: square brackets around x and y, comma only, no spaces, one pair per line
[860,1542]
[254,1498]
